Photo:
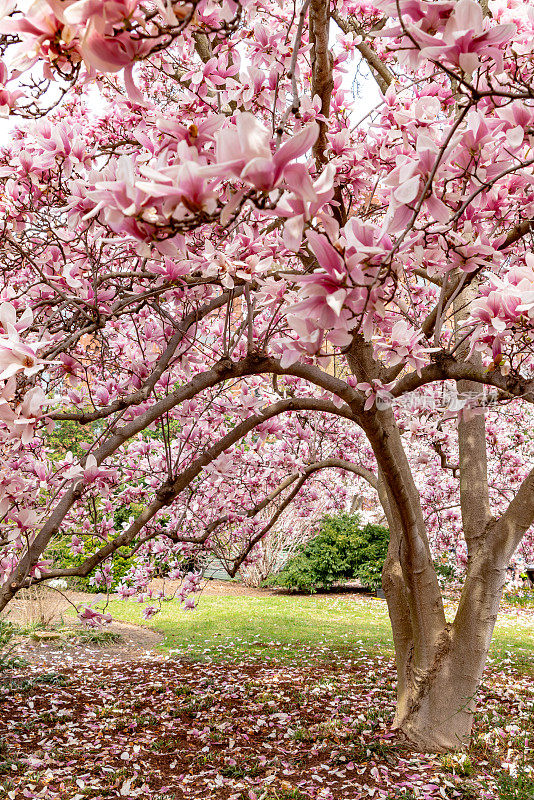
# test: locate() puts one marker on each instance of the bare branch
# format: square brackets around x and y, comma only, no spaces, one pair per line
[379,71]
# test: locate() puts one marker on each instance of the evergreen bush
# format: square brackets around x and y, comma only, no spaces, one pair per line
[343,549]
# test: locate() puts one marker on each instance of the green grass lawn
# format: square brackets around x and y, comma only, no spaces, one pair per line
[226,627]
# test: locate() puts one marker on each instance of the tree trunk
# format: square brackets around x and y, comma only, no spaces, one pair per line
[436,701]
[439,665]
[435,710]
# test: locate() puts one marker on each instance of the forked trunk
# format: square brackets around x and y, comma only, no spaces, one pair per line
[439,665]
[436,701]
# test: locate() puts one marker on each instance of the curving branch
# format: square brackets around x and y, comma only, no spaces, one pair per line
[254,364]
[170,489]
[445,366]
[437,446]
[329,463]
[507,531]
[517,233]
[142,394]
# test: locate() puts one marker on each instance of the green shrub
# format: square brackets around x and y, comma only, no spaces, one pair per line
[63,557]
[444,571]
[342,550]
[69,435]
[60,552]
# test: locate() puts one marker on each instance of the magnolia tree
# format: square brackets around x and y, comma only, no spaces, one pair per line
[230,289]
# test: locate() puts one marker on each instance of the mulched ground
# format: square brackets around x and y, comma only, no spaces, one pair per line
[159,728]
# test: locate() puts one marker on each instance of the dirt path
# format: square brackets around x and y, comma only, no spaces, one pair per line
[135,642]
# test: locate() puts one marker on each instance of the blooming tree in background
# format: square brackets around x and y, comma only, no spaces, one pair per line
[236,291]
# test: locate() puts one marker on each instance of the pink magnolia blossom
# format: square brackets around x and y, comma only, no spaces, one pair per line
[325,292]
[8,96]
[466,38]
[40,568]
[304,203]
[94,618]
[102,14]
[29,413]
[113,53]
[377,393]
[44,34]
[453,32]
[244,150]
[185,183]
[403,346]
[77,545]
[125,591]
[17,355]
[93,472]
[407,181]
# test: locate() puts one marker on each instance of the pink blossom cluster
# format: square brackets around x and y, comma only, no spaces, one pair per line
[106,36]
[454,32]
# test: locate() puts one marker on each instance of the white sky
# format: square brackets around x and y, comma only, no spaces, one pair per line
[358,81]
